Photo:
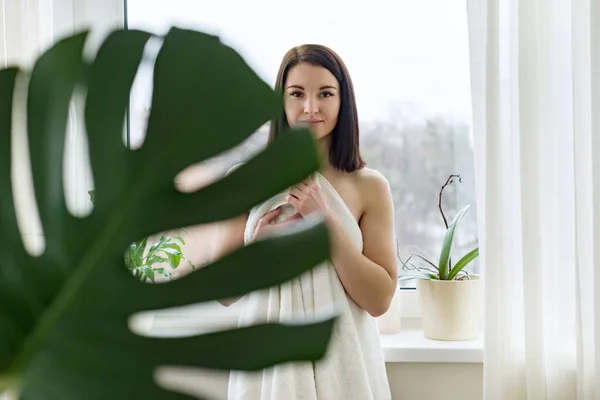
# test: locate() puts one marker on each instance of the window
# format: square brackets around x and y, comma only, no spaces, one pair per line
[410,67]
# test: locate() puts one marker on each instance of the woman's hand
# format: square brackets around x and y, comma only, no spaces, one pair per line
[306,198]
[266,227]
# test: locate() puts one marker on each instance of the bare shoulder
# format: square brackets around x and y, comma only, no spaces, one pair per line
[370,176]
[373,187]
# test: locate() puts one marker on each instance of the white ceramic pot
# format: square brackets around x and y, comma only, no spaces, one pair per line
[451,310]
[389,323]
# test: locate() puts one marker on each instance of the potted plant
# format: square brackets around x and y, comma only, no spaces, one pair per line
[449,296]
[164,255]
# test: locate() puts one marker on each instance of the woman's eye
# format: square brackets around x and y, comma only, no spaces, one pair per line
[326,94]
[296,94]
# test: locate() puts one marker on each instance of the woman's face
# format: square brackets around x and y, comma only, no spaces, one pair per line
[312,99]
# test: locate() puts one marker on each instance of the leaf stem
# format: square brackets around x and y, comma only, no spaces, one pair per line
[449,181]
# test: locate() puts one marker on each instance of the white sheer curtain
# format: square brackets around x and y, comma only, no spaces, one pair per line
[27,28]
[535,67]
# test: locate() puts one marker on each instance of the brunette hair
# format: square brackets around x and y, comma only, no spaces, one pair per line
[344,151]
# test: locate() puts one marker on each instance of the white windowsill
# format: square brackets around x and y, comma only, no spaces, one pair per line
[411,346]
[408,346]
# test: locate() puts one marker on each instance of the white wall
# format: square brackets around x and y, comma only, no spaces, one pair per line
[436,381]
[408,381]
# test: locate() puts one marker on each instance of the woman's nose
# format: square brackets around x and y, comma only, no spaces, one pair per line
[310,106]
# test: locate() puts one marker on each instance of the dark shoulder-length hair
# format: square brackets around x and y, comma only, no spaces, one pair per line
[344,152]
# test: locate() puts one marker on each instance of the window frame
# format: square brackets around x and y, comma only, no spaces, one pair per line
[214,314]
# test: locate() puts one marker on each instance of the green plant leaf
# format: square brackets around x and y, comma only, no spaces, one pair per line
[180,239]
[155,259]
[149,272]
[174,260]
[129,263]
[410,275]
[138,253]
[444,263]
[171,248]
[420,257]
[463,262]
[171,251]
[161,242]
[163,272]
[192,266]
[64,315]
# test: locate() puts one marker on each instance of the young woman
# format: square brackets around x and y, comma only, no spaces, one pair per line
[356,204]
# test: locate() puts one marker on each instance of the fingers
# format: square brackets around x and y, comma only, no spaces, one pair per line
[297,193]
[295,202]
[265,221]
[265,227]
[303,188]
[293,218]
[269,217]
[306,182]
[289,221]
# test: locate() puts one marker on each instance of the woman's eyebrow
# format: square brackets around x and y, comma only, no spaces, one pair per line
[321,88]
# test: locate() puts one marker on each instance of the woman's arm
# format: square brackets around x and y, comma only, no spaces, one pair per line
[230,237]
[370,277]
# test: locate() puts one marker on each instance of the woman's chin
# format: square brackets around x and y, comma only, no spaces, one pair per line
[319,134]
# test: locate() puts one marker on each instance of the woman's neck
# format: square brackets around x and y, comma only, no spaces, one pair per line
[323,146]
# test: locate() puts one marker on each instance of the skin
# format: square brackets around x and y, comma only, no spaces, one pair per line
[369,277]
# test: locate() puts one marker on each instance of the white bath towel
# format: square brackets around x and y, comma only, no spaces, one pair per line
[353,368]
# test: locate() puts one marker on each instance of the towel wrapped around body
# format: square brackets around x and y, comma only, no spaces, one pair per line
[353,368]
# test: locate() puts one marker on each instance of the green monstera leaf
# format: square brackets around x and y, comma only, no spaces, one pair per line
[64,315]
